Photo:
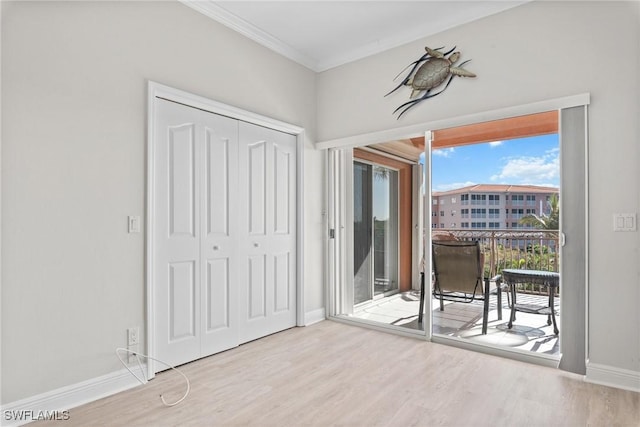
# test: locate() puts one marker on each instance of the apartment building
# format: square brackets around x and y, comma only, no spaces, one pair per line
[489,206]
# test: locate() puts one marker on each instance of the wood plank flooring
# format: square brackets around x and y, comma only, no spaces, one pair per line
[332,374]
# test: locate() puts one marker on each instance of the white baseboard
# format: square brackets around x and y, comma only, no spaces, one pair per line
[613,377]
[315,316]
[55,404]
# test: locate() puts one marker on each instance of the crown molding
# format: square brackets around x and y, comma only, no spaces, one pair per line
[210,9]
[221,15]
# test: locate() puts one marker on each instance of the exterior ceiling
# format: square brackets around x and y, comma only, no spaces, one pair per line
[405,148]
[325,34]
[497,130]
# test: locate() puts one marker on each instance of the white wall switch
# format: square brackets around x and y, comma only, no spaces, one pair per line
[134,224]
[624,222]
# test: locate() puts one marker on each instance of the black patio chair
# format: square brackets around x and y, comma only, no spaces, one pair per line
[458,276]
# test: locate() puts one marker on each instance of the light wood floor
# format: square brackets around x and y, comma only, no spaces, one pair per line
[331,374]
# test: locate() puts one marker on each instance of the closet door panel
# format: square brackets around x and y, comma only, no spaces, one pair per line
[267,171]
[176,233]
[219,246]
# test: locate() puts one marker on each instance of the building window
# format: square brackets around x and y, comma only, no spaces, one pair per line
[494,225]
[531,211]
[464,213]
[517,213]
[494,199]
[478,199]
[464,225]
[517,200]
[434,213]
[494,213]
[434,202]
[441,225]
[531,200]
[453,225]
[464,199]
[478,213]
[453,212]
[434,225]
[441,213]
[478,225]
[453,200]
[441,201]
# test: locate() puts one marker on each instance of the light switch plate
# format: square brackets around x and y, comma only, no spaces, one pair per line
[624,222]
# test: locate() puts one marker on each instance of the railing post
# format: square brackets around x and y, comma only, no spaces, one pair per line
[492,257]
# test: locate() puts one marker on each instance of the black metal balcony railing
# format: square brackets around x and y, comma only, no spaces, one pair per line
[530,249]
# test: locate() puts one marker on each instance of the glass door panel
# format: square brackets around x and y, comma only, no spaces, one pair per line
[375,231]
[385,235]
[362,231]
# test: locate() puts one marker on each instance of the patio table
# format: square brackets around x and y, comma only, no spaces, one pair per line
[545,278]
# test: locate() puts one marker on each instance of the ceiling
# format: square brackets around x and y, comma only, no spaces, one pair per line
[324,34]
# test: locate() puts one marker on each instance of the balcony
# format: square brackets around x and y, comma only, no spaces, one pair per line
[502,249]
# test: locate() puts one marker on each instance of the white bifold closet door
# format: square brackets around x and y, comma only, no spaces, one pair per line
[225,232]
[267,216]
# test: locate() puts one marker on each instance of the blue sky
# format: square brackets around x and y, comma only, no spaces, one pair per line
[524,161]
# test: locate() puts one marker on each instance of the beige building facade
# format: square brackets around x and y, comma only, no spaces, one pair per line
[489,206]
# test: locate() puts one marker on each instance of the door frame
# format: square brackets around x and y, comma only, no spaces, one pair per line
[423,129]
[156,90]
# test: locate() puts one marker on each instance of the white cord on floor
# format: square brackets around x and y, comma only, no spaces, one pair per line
[119,349]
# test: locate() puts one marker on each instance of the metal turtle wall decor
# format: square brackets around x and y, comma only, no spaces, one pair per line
[428,73]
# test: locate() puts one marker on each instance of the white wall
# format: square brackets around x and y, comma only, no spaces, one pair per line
[539,51]
[74,78]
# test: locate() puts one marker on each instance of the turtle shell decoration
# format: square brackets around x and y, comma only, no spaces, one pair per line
[428,73]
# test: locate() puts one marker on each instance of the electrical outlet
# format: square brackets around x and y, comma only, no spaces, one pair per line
[132,337]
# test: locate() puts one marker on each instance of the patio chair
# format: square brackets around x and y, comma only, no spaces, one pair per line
[458,276]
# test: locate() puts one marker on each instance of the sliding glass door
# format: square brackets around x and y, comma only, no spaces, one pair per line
[375,231]
[362,232]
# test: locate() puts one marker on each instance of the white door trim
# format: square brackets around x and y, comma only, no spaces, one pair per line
[157,90]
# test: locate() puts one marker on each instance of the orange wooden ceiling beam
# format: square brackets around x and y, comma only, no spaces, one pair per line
[497,130]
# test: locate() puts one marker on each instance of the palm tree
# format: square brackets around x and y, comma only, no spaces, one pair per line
[545,222]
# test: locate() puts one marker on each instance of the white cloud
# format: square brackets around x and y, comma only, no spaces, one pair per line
[443,152]
[530,170]
[495,143]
